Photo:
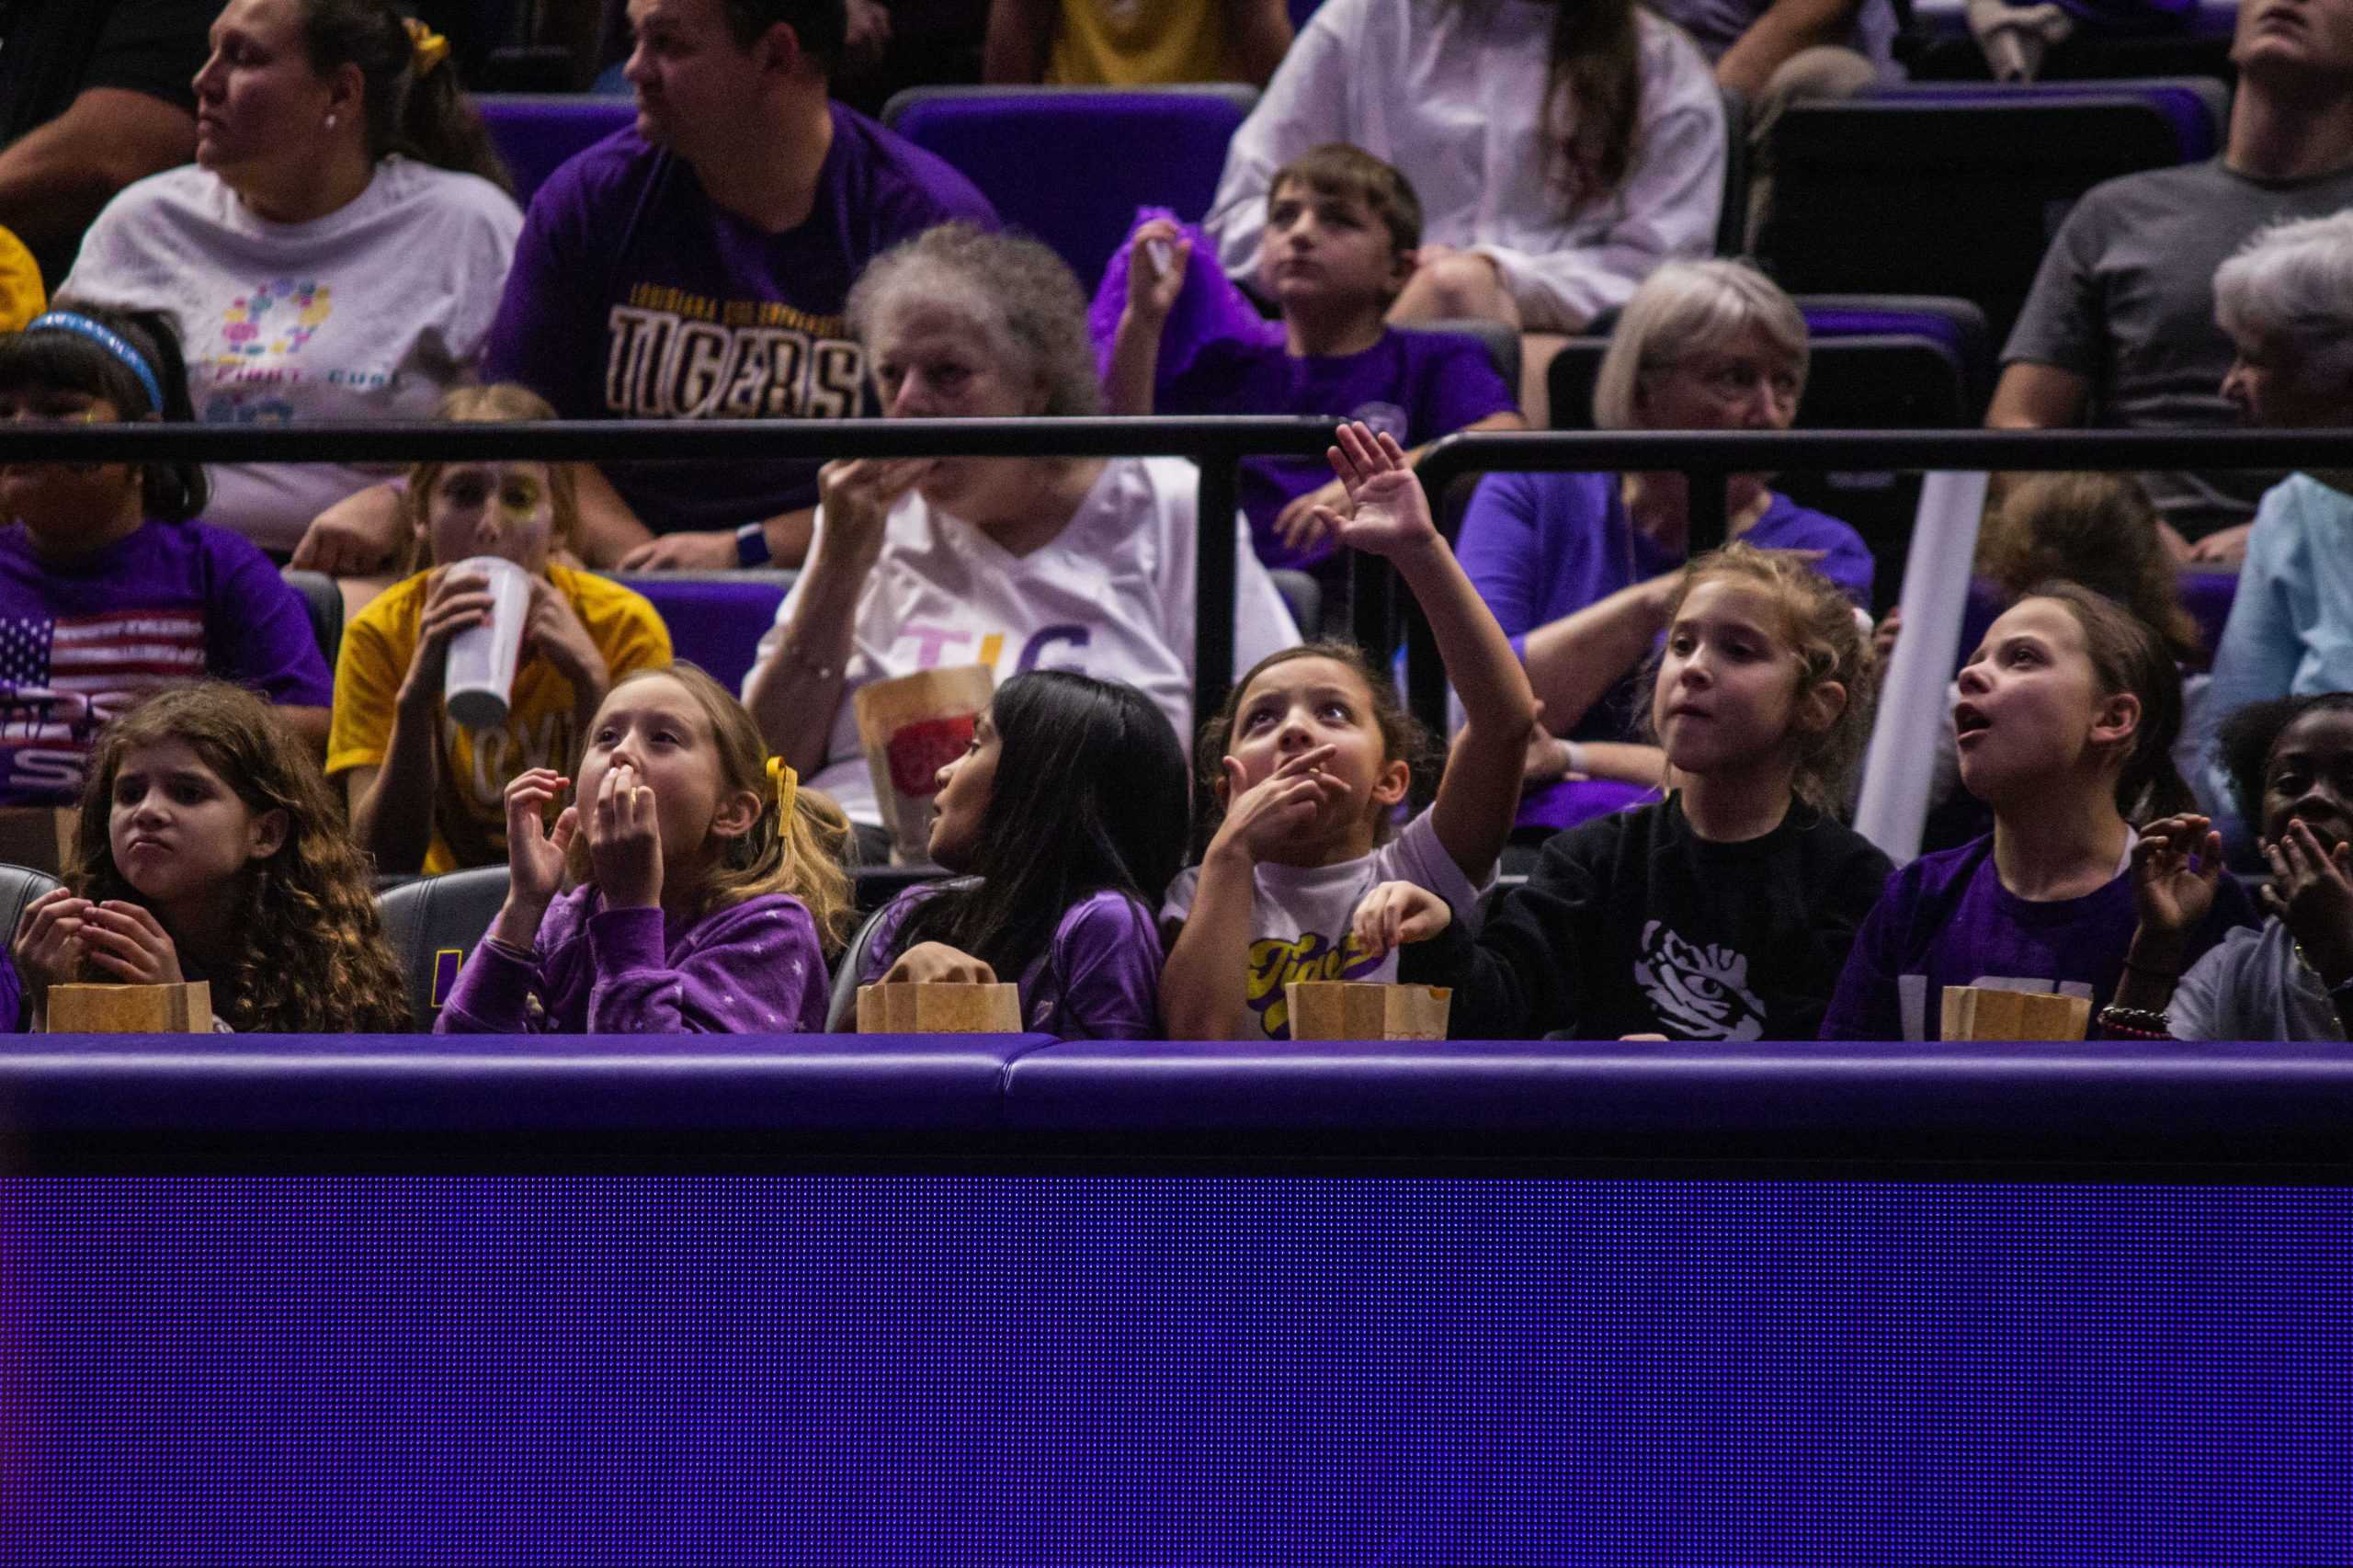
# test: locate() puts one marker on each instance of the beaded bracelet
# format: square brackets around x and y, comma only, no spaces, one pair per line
[2134,1023]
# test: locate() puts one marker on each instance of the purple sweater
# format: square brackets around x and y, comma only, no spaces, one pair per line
[1098,979]
[752,969]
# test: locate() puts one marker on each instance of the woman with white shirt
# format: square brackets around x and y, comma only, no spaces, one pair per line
[334,252]
[1562,148]
[1017,563]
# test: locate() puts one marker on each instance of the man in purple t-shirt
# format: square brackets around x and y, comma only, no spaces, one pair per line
[695,264]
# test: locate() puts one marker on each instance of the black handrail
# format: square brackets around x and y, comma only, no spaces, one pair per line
[1214,445]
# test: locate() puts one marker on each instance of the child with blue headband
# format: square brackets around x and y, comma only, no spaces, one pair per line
[108,587]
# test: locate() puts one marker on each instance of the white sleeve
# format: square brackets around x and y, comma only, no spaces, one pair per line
[1666,210]
[1416,855]
[2200,995]
[1304,105]
[119,265]
[493,224]
[1176,904]
[1262,623]
[773,638]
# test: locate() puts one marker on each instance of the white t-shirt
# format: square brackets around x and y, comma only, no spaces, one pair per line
[1301,916]
[1110,596]
[370,313]
[1452,95]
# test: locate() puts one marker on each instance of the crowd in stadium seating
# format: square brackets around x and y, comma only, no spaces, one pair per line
[311,224]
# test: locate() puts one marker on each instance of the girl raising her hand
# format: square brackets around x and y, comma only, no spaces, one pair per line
[708,884]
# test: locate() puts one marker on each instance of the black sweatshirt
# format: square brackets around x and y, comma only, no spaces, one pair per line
[1633,923]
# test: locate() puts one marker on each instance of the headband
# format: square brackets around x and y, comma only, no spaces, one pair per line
[427,48]
[787,789]
[112,342]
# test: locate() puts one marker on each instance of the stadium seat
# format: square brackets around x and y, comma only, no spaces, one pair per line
[1072,165]
[1954,188]
[322,599]
[716,619]
[1732,223]
[1303,596]
[433,925]
[535,132]
[19,885]
[2207,597]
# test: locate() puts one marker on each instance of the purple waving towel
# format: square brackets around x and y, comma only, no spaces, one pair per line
[1210,310]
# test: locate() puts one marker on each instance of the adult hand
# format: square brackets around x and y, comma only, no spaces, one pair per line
[868,38]
[361,533]
[685,552]
[1257,820]
[857,494]
[553,631]
[937,963]
[2224,547]
[535,855]
[625,841]
[1151,292]
[454,601]
[1395,913]
[49,950]
[1300,525]
[2311,893]
[1389,513]
[2175,866]
[127,942]
[1547,761]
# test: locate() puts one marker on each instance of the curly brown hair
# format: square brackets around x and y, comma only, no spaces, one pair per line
[2097,529]
[313,958]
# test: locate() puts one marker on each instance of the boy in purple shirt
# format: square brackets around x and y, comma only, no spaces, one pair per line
[1341,232]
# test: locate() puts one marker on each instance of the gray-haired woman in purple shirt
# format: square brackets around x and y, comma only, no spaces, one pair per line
[707,885]
[1069,813]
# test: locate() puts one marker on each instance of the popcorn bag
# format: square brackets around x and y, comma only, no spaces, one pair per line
[186,1009]
[905,1007]
[1979,1012]
[912,727]
[1348,1009]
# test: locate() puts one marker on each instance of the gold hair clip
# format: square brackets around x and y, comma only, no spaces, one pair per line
[427,48]
[787,789]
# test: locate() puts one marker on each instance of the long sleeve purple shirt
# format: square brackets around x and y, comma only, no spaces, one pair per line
[1098,979]
[752,969]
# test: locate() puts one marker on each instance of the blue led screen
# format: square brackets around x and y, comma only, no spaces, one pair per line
[1184,1370]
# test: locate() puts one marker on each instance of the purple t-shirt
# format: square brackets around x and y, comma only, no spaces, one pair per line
[754,968]
[634,296]
[1098,979]
[172,603]
[1417,386]
[1945,919]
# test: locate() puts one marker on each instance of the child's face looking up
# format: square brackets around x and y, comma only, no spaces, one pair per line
[1304,703]
[503,509]
[966,786]
[177,830]
[62,503]
[2308,777]
[2030,705]
[1324,250]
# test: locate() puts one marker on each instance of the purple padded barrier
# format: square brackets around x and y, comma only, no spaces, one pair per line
[1139,148]
[535,133]
[717,620]
[1748,1100]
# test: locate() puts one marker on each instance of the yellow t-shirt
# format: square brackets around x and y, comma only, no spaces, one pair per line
[470,808]
[1139,43]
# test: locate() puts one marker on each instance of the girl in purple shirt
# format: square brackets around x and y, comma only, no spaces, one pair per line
[1068,814]
[707,885]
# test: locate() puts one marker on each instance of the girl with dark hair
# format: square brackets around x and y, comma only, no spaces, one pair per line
[334,252]
[2065,720]
[2291,762]
[1067,818]
[109,585]
[209,849]
[1562,148]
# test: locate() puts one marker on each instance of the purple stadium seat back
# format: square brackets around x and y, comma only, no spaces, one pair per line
[715,621]
[1151,147]
[535,134]
[2207,597]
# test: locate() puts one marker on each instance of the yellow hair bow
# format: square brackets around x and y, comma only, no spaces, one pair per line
[427,48]
[787,789]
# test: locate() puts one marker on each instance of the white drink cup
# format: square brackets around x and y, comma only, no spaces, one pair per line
[480,672]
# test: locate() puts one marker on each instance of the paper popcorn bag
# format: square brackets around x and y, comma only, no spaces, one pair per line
[1979,1012]
[1347,1009]
[906,1008]
[911,727]
[186,1009]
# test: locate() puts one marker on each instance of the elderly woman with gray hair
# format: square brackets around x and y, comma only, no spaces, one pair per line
[1580,567]
[1017,563]
[2286,301]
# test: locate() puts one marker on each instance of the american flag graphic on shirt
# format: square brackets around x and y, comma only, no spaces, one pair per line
[61,679]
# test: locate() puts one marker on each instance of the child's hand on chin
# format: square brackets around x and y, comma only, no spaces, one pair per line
[937,963]
[625,842]
[1395,913]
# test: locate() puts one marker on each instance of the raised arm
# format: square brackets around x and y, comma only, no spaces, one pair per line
[1573,663]
[1157,253]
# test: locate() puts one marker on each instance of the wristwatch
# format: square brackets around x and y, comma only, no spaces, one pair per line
[752,545]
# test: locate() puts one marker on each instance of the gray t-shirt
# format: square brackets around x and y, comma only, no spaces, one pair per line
[2251,985]
[2125,298]
[1716,25]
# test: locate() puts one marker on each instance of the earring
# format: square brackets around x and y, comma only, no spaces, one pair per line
[330,122]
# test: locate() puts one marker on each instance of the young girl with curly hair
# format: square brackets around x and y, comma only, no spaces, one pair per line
[707,887]
[209,849]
